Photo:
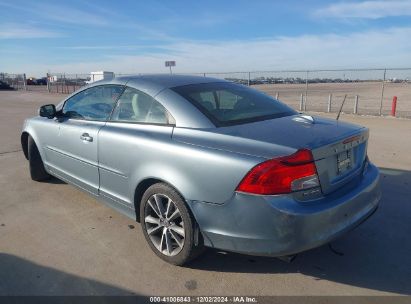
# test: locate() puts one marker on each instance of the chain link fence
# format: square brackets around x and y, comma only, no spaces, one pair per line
[13,81]
[368,91]
[66,83]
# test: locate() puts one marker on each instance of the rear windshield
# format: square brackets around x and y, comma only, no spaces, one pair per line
[226,103]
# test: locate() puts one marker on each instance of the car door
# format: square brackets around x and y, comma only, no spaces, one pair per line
[74,156]
[128,141]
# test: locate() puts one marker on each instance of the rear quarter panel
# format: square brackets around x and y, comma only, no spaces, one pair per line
[131,153]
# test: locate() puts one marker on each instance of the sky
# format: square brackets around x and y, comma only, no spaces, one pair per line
[79,36]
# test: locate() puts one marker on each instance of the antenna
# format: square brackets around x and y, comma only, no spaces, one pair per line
[342,104]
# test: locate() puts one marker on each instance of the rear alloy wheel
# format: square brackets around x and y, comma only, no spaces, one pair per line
[167,225]
[164,224]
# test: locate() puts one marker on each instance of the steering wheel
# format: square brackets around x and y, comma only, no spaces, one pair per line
[90,114]
[104,107]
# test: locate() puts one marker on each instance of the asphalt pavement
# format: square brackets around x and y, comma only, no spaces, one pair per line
[57,240]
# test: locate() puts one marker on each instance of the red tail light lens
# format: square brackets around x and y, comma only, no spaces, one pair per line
[282,175]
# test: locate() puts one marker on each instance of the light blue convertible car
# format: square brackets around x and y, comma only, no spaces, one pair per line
[205,162]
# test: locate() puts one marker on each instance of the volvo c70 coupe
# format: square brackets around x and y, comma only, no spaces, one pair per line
[203,162]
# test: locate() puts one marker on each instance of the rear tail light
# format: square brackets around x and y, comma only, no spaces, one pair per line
[282,175]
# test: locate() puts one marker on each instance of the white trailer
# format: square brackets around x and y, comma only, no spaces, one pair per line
[100,75]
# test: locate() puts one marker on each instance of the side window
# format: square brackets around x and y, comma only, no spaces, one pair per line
[95,103]
[136,106]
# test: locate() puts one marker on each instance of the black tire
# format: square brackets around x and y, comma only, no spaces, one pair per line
[189,249]
[37,171]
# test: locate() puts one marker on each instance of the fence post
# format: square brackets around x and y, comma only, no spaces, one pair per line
[394,106]
[382,91]
[356,105]
[301,101]
[24,82]
[330,96]
[306,91]
[67,83]
[277,95]
[249,78]
[48,82]
[64,84]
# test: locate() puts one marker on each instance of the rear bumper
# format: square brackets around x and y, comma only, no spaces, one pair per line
[279,225]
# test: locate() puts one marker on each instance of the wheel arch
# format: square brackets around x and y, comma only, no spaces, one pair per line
[24,139]
[31,130]
[142,187]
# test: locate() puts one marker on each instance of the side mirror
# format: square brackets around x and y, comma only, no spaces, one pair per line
[48,111]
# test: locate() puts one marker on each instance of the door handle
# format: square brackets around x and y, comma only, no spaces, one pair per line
[86,137]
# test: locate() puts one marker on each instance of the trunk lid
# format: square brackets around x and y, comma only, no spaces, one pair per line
[339,162]
[339,148]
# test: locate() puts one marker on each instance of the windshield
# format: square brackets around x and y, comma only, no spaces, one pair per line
[226,103]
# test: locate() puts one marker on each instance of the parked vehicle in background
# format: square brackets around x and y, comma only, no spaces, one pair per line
[5,86]
[31,81]
[41,81]
[205,162]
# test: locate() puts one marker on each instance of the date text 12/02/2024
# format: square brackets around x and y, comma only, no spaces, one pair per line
[204,299]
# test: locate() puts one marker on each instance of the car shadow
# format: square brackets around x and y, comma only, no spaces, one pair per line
[55,181]
[375,255]
[21,277]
